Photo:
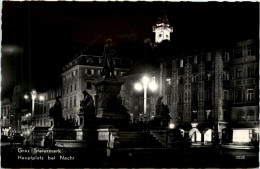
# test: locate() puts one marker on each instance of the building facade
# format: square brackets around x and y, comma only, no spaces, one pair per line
[206,92]
[6,116]
[79,75]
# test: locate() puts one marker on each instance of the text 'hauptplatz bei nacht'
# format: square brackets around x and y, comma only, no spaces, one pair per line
[203,98]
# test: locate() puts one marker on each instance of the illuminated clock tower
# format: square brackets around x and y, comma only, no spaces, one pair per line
[162,29]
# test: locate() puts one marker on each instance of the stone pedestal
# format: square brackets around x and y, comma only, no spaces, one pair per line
[161,122]
[77,137]
[108,134]
[109,108]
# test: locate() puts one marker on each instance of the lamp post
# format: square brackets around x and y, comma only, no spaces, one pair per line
[145,83]
[33,94]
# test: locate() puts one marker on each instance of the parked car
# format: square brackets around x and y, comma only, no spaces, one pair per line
[16,138]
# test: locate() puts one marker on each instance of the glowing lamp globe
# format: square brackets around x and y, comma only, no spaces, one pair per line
[153,86]
[26,96]
[171,126]
[138,87]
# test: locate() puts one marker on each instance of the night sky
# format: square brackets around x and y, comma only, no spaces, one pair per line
[39,38]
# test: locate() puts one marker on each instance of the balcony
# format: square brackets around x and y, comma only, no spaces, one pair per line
[245,59]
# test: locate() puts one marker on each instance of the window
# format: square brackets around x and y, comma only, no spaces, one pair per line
[225,76]
[67,103]
[168,82]
[70,88]
[131,102]
[187,96]
[239,95]
[89,85]
[75,86]
[180,98]
[75,101]
[98,72]
[208,76]
[250,71]
[241,116]
[70,102]
[168,99]
[136,108]
[250,94]
[251,115]
[194,78]
[181,63]
[181,80]
[74,73]
[226,94]
[226,57]
[152,100]
[239,73]
[250,50]
[67,89]
[141,100]
[208,57]
[201,95]
[195,60]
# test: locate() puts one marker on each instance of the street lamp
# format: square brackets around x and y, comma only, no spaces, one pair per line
[142,85]
[33,94]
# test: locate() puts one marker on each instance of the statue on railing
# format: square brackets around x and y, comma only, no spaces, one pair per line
[108,64]
[160,108]
[87,104]
[56,112]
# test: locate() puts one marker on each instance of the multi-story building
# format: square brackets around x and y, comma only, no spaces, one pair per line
[245,90]
[15,110]
[79,75]
[206,92]
[5,116]
[43,103]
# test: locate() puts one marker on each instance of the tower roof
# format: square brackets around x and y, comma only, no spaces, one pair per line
[163,19]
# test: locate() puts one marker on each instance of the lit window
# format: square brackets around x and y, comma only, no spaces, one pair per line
[168,81]
[98,72]
[181,63]
[195,60]
[250,94]
[208,76]
[194,78]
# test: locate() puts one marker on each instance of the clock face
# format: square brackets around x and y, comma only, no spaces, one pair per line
[159,36]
